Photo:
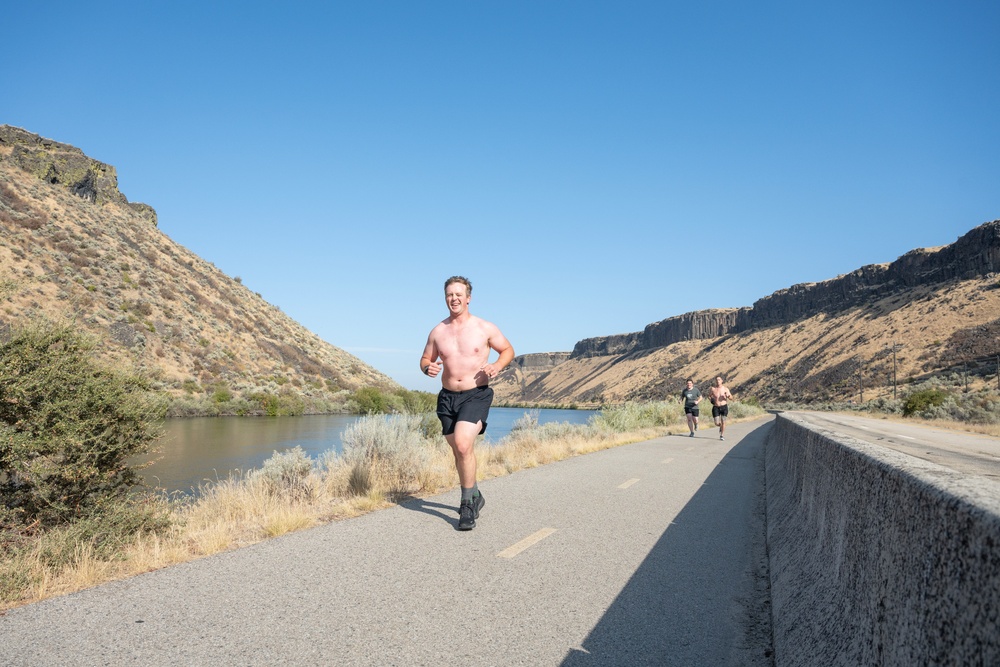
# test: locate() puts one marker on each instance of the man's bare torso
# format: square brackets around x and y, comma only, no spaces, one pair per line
[464,349]
[718,395]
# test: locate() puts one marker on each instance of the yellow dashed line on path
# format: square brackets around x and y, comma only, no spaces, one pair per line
[629,483]
[530,540]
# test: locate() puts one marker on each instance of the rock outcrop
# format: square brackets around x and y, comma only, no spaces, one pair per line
[540,361]
[67,165]
[689,326]
[975,254]
[928,311]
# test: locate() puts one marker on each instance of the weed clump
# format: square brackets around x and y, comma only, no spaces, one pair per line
[388,448]
[287,472]
[636,416]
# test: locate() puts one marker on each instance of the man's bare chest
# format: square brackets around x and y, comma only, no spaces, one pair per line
[463,344]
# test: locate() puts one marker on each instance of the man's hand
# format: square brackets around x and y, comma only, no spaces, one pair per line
[490,370]
[432,369]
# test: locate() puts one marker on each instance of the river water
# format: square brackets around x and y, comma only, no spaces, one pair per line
[193,451]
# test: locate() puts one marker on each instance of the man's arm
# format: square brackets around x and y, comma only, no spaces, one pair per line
[498,342]
[429,360]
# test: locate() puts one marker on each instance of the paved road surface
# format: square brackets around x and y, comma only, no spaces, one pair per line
[965,452]
[647,554]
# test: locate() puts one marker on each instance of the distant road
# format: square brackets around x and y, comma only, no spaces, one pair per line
[647,554]
[965,452]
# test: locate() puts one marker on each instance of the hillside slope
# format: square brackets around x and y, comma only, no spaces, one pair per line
[73,247]
[832,340]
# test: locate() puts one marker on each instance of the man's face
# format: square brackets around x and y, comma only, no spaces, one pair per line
[718,382]
[456,297]
[690,384]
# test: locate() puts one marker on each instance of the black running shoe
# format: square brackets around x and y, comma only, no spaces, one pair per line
[469,511]
[467,515]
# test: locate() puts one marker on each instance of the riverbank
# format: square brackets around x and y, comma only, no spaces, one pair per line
[385,460]
[192,450]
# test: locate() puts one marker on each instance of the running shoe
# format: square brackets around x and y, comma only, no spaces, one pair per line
[469,511]
[691,434]
[467,516]
[721,438]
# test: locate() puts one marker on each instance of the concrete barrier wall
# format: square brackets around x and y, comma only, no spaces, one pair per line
[878,558]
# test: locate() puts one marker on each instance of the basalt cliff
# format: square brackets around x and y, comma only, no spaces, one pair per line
[73,248]
[932,310]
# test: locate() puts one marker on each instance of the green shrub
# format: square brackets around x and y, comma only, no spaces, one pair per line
[221,393]
[374,401]
[68,426]
[369,401]
[413,402]
[279,405]
[921,401]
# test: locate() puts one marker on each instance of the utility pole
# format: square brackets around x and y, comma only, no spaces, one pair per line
[861,382]
[894,370]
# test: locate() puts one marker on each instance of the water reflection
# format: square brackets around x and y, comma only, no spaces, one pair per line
[209,448]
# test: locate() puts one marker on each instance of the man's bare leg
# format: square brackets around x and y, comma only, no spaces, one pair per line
[462,443]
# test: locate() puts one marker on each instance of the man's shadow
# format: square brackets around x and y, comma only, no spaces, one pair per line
[415,504]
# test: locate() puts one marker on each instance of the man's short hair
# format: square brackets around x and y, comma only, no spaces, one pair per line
[459,279]
[691,380]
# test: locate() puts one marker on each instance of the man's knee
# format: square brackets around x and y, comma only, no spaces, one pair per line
[464,436]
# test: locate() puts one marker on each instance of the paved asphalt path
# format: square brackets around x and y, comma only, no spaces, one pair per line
[646,554]
[968,453]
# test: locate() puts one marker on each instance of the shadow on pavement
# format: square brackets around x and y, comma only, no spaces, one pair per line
[427,507]
[701,596]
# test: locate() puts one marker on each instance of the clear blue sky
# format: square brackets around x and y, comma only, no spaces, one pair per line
[592,167]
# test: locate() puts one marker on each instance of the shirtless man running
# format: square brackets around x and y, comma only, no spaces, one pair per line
[459,348]
[719,396]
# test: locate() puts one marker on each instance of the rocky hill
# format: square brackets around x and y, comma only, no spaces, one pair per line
[72,247]
[937,308]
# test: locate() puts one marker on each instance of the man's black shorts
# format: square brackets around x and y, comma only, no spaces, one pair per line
[691,410]
[471,405]
[720,410]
